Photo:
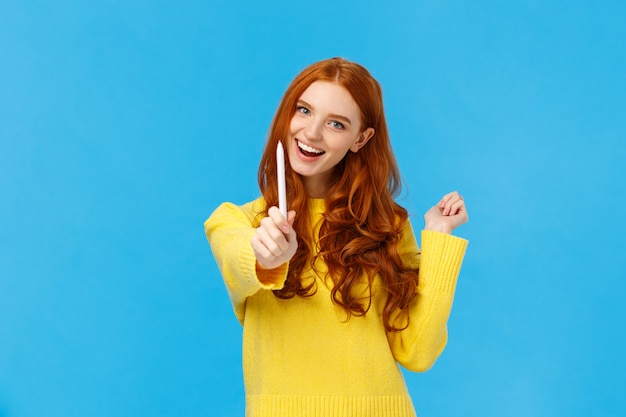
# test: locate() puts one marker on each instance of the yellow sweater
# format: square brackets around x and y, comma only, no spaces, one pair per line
[301,358]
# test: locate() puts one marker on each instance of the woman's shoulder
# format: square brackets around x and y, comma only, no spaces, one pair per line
[255,206]
[249,210]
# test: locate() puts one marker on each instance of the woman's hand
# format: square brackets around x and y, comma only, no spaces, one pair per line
[447,215]
[275,241]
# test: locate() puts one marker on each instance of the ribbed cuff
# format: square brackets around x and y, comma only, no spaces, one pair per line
[273,279]
[441,259]
[247,262]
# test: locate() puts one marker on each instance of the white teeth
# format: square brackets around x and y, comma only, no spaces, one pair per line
[308,148]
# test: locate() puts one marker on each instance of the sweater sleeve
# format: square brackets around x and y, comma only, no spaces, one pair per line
[229,231]
[419,345]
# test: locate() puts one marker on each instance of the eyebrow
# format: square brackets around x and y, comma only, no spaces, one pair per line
[332,115]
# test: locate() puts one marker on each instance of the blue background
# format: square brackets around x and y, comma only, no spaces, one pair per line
[123,124]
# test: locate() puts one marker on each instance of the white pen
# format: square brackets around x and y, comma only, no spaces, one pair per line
[282,188]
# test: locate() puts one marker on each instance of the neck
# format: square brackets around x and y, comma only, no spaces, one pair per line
[316,187]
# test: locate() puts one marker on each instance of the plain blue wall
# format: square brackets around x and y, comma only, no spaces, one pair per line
[123,124]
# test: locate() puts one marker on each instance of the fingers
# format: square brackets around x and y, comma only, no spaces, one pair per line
[449,213]
[274,241]
[451,204]
[435,219]
[278,219]
[261,252]
[446,198]
[454,208]
[271,237]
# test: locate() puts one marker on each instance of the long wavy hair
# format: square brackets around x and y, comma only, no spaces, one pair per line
[360,231]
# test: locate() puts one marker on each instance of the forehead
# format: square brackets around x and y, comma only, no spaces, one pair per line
[330,97]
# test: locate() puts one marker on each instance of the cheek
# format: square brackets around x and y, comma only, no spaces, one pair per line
[294,125]
[340,144]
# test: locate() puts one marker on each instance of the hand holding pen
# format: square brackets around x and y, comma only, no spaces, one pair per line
[275,241]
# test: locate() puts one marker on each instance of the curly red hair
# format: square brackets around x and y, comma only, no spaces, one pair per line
[362,223]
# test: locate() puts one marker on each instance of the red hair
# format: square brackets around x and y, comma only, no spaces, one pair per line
[361,226]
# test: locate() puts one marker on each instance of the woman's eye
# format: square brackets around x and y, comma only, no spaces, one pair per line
[337,125]
[302,110]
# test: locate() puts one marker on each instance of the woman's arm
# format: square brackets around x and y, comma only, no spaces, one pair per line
[230,231]
[419,345]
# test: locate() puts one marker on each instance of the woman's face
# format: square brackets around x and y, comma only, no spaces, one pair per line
[325,126]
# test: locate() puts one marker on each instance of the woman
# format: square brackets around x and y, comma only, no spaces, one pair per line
[334,296]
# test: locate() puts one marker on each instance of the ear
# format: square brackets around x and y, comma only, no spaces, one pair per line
[363,138]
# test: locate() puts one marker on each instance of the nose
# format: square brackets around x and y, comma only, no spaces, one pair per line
[313,130]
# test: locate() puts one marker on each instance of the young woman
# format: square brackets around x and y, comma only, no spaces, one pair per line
[335,296]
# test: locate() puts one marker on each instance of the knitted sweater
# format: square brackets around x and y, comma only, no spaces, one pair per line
[301,357]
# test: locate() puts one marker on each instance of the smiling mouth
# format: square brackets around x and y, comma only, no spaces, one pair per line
[309,150]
